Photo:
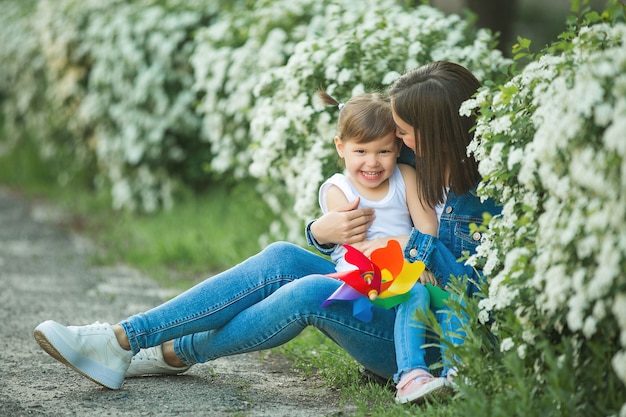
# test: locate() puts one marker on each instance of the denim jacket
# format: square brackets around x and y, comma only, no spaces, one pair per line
[440,255]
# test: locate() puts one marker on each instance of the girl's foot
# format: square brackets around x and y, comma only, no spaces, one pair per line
[150,362]
[419,385]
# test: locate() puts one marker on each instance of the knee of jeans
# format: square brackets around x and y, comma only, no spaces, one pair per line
[313,290]
[281,250]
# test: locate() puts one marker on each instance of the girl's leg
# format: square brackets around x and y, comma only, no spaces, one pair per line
[410,335]
[414,380]
[281,316]
[453,334]
[215,301]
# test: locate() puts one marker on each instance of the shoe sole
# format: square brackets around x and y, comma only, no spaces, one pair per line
[138,373]
[54,345]
[440,390]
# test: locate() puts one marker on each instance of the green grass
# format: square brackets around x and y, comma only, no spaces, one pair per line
[202,234]
[313,353]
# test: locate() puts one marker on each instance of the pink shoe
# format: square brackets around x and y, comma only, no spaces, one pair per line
[418,385]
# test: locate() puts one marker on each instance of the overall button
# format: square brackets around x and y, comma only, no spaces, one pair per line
[449,209]
[413,253]
[476,236]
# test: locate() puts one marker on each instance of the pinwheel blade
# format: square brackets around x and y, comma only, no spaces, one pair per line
[405,280]
[390,257]
[353,279]
[344,292]
[390,302]
[362,310]
[437,296]
[357,258]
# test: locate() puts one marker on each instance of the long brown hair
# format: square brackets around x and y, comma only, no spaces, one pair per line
[429,98]
[363,118]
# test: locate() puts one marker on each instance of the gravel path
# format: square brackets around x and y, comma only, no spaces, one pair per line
[46,273]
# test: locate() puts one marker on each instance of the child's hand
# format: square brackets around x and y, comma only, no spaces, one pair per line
[427,277]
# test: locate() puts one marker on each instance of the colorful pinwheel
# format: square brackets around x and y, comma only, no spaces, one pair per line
[383,280]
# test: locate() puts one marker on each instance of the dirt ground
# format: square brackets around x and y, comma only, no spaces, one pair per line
[46,273]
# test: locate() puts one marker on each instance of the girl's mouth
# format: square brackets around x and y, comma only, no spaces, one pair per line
[371,175]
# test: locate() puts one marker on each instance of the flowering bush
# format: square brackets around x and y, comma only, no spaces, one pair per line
[136,90]
[357,49]
[22,94]
[129,90]
[134,109]
[551,148]
[230,58]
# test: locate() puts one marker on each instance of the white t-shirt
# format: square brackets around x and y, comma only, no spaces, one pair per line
[392,213]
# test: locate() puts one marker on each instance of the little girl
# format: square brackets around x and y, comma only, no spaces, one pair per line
[366,142]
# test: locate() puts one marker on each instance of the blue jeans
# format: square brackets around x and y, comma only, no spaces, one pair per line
[268,300]
[410,334]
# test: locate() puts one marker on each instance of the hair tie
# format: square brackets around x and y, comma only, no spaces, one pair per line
[340,106]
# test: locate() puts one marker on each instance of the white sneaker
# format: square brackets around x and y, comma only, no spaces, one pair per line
[150,362]
[92,351]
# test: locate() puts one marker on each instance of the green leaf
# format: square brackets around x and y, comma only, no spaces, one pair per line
[592,17]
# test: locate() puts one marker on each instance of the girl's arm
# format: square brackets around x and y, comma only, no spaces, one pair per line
[437,257]
[423,216]
[335,198]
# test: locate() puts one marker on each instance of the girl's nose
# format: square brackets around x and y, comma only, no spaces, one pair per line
[372,160]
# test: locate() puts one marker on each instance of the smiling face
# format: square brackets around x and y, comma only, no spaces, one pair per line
[369,165]
[406,132]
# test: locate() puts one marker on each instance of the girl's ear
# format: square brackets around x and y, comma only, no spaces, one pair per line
[338,146]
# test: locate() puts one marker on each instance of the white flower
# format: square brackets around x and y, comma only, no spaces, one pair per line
[521,351]
[619,312]
[506,344]
[501,124]
[619,366]
[467,106]
[528,336]
[589,326]
[483,316]
[390,77]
